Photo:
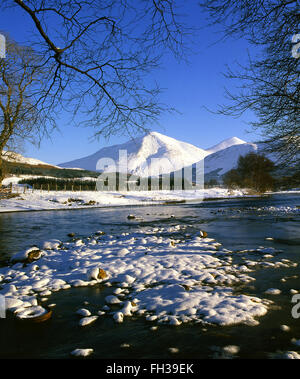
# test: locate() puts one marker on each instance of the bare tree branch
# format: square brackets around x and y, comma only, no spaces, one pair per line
[269,85]
[20,118]
[99,55]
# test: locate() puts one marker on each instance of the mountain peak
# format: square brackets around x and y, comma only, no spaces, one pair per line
[225,144]
[157,153]
[153,152]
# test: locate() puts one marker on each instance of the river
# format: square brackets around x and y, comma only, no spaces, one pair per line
[237,223]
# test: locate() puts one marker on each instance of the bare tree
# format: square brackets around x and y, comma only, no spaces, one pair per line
[102,53]
[20,87]
[253,171]
[269,85]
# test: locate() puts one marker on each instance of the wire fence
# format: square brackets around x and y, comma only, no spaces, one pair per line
[17,189]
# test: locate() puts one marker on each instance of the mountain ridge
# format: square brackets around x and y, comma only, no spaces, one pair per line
[225,144]
[159,153]
[154,153]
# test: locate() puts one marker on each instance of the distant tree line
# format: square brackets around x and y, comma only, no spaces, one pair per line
[110,182]
[254,171]
[53,184]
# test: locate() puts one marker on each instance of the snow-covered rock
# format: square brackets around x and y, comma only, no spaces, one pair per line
[112,300]
[118,317]
[31,254]
[96,273]
[83,312]
[159,286]
[52,244]
[273,291]
[82,352]
[87,320]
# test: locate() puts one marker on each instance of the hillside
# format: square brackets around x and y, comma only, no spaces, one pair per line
[12,157]
[149,155]
[218,163]
[25,169]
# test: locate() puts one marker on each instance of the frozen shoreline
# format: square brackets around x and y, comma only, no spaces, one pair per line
[43,200]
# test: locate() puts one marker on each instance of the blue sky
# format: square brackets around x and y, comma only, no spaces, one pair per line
[188,87]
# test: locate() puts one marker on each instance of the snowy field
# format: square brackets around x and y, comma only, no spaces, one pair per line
[43,200]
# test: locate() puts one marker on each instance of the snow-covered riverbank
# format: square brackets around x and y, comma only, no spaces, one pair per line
[43,200]
[151,273]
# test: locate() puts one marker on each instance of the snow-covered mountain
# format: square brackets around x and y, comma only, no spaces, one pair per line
[225,144]
[152,154]
[220,162]
[155,154]
[18,158]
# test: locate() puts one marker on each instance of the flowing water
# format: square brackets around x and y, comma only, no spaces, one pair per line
[237,223]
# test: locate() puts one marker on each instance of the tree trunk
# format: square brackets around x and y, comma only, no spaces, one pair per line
[1,169]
